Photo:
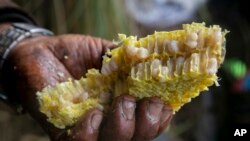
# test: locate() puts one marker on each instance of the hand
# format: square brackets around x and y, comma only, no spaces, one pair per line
[41,61]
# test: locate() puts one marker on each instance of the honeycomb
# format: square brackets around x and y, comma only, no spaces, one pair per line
[174,66]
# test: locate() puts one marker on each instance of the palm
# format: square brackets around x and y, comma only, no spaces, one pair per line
[47,61]
[39,62]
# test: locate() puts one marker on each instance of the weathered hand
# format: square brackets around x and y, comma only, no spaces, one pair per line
[41,61]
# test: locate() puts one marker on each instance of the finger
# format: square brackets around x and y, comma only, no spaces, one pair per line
[148,119]
[166,117]
[96,48]
[120,122]
[79,53]
[107,45]
[87,128]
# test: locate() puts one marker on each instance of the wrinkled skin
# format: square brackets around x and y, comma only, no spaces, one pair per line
[35,63]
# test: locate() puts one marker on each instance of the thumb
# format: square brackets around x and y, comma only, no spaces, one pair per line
[87,128]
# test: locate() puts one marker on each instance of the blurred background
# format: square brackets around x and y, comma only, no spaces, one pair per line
[213,115]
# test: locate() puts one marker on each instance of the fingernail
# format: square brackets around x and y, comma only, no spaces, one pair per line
[128,108]
[154,110]
[96,121]
[166,114]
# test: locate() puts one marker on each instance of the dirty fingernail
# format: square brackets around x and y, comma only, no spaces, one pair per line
[128,108]
[96,121]
[154,110]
